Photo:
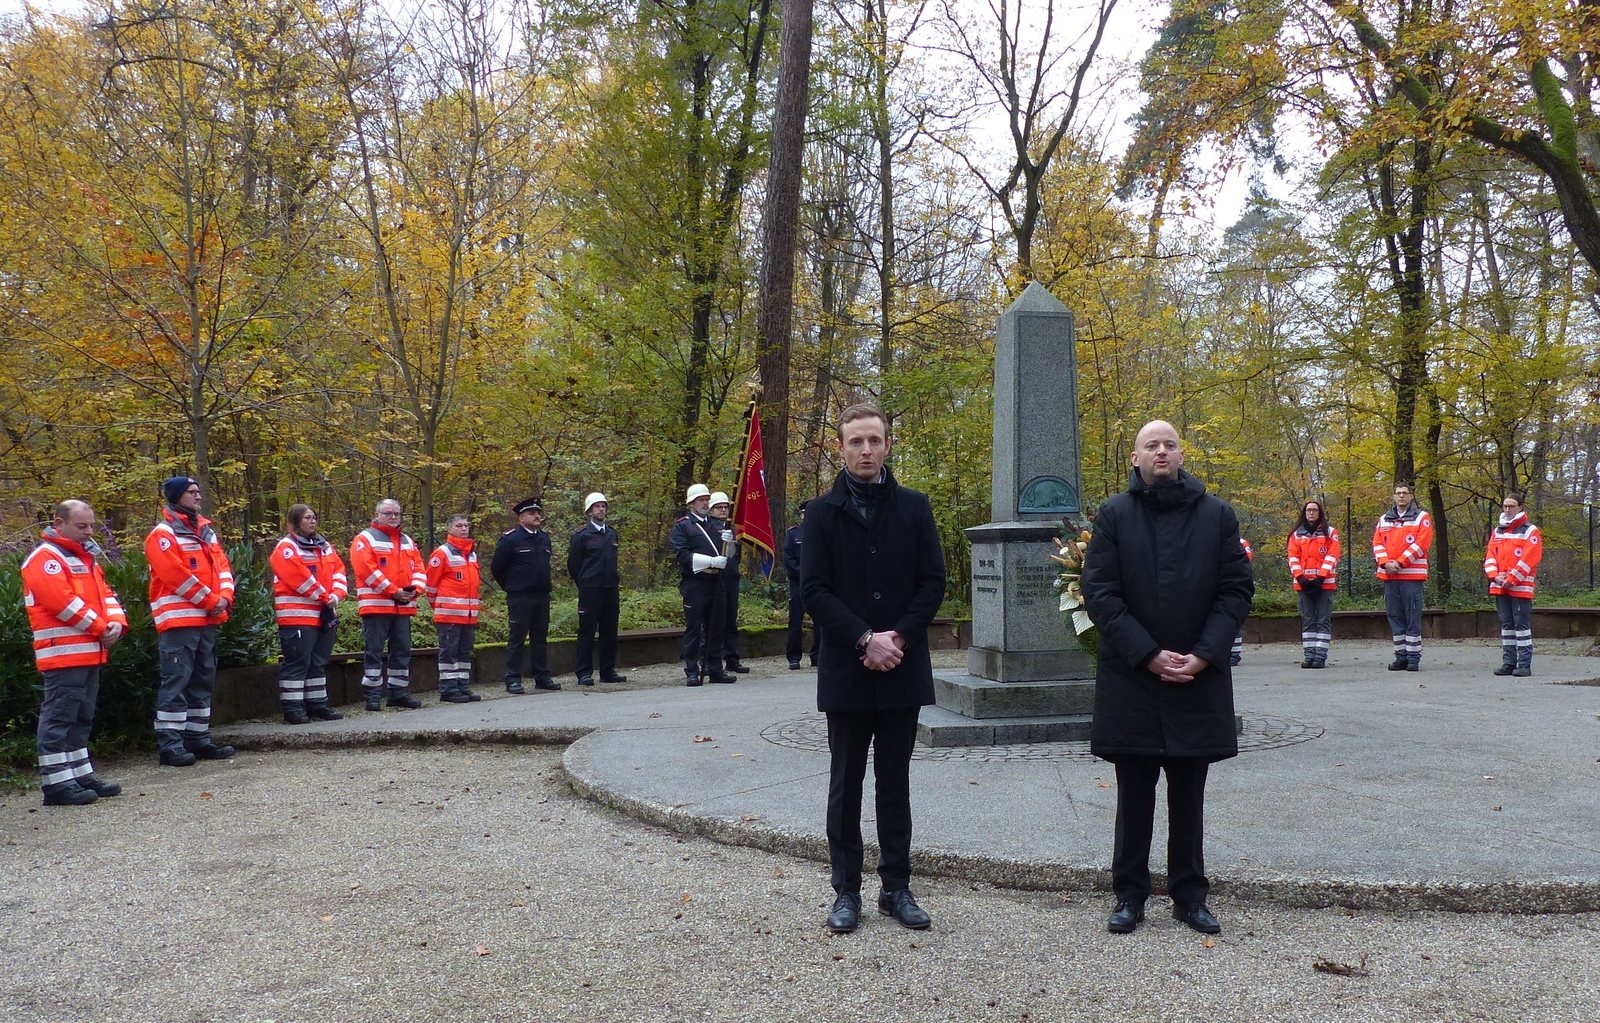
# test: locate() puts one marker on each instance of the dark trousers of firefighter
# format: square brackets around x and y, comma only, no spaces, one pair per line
[703,620]
[65,719]
[188,659]
[1136,811]
[530,626]
[391,632]
[730,617]
[303,653]
[797,621]
[890,735]
[598,609]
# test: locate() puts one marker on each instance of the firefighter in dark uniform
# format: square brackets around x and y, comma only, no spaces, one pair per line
[721,507]
[592,564]
[697,542]
[797,605]
[521,567]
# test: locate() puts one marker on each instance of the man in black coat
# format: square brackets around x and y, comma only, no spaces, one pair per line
[696,541]
[521,567]
[1168,585]
[872,571]
[592,564]
[792,544]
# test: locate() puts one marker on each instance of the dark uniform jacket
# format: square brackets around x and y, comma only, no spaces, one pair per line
[592,557]
[888,575]
[690,536]
[1165,571]
[791,554]
[521,562]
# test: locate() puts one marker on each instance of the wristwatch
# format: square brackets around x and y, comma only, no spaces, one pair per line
[861,647]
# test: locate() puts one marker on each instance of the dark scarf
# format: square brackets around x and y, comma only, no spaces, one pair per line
[864,496]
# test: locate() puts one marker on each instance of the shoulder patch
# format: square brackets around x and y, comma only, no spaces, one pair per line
[164,543]
[52,567]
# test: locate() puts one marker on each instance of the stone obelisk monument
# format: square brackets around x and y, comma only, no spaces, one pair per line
[1028,679]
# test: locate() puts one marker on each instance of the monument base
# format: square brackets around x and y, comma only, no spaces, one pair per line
[974,711]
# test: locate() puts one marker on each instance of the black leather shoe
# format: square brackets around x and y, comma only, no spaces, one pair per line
[295,715]
[404,701]
[1308,663]
[691,680]
[1413,666]
[739,667]
[722,678]
[374,700]
[1197,917]
[1505,669]
[103,789]
[846,915]
[74,795]
[900,905]
[515,689]
[1398,664]
[454,698]
[323,712]
[1319,664]
[471,696]
[211,751]
[177,758]
[1523,672]
[613,680]
[584,680]
[1125,917]
[548,684]
[794,665]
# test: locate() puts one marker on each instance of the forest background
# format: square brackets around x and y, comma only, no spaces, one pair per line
[458,252]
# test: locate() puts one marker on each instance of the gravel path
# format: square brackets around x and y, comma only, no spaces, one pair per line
[467,883]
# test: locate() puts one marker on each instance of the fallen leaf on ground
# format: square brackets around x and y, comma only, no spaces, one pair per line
[702,738]
[687,898]
[777,871]
[1342,969]
[655,714]
[205,795]
[1209,943]
[480,950]
[326,917]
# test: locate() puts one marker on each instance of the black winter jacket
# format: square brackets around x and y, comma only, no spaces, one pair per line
[886,576]
[592,558]
[521,561]
[1165,571]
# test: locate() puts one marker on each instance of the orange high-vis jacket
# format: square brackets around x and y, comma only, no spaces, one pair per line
[307,575]
[1315,553]
[69,604]
[384,561]
[1515,549]
[1405,537]
[189,573]
[453,585]
[1249,552]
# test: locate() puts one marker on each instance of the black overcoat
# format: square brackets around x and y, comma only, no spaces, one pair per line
[886,576]
[1165,571]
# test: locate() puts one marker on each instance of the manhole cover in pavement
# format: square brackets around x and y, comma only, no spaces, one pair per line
[810,734]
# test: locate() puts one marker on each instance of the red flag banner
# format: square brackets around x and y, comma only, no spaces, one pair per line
[752,512]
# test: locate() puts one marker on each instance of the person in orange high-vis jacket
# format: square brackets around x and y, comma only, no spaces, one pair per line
[308,581]
[1237,653]
[389,578]
[1313,550]
[191,590]
[1400,544]
[453,589]
[76,619]
[1512,564]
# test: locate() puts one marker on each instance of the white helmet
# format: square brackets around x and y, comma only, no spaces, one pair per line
[695,492]
[594,499]
[718,497]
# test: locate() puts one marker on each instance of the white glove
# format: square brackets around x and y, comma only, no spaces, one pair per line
[727,536]
[701,562]
[719,562]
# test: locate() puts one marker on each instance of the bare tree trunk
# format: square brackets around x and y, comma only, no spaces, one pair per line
[779,243]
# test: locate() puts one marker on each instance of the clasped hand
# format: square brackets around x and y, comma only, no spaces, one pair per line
[1175,667]
[885,651]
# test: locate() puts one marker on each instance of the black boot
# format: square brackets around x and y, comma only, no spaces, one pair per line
[374,697]
[103,789]
[320,710]
[400,698]
[295,714]
[70,794]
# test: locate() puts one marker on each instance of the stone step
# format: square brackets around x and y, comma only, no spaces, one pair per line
[942,728]
[975,697]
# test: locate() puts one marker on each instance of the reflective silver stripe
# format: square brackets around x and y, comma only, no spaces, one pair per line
[70,612]
[62,632]
[68,650]
[56,777]
[51,759]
